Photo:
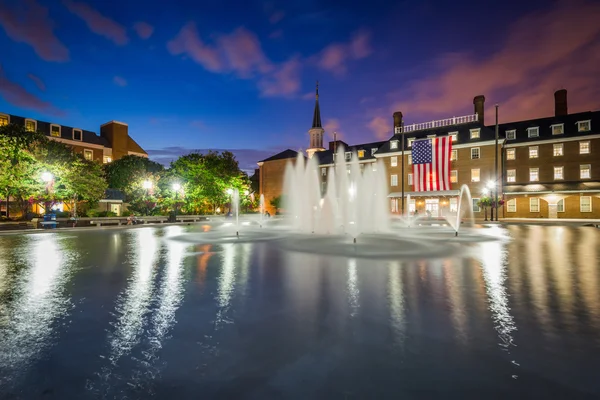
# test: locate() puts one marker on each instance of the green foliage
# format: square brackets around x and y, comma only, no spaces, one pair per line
[277,202]
[484,202]
[125,172]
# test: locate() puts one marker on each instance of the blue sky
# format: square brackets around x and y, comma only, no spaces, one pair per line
[240,75]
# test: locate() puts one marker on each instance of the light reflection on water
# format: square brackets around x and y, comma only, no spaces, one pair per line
[39,300]
[396,299]
[353,291]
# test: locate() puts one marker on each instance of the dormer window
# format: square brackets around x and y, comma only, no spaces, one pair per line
[584,126]
[431,136]
[475,133]
[533,132]
[30,125]
[361,154]
[453,136]
[410,141]
[373,150]
[393,144]
[511,135]
[77,135]
[348,155]
[54,130]
[558,129]
[4,119]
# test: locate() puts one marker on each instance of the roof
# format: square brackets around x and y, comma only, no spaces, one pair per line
[133,146]
[463,135]
[282,155]
[545,127]
[326,157]
[552,187]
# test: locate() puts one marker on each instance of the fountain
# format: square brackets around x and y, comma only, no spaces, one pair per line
[261,208]
[454,221]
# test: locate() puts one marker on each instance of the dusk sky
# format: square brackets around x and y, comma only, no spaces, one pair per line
[240,75]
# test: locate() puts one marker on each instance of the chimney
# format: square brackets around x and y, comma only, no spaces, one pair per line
[397,120]
[560,102]
[478,102]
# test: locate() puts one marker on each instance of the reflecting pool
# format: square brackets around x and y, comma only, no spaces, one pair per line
[135,313]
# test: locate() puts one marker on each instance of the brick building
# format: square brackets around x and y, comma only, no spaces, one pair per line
[111,144]
[542,167]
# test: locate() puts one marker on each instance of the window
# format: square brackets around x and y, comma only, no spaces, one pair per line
[558,173]
[534,204]
[558,129]
[585,204]
[431,136]
[394,180]
[409,159]
[394,161]
[323,171]
[55,130]
[454,155]
[394,144]
[412,206]
[77,134]
[373,150]
[88,154]
[475,175]
[534,174]
[511,154]
[4,119]
[361,154]
[348,155]
[584,147]
[453,204]
[108,159]
[454,136]
[511,175]
[533,132]
[476,205]
[533,151]
[394,203]
[584,171]
[475,133]
[410,179]
[584,126]
[30,125]
[557,150]
[511,206]
[453,176]
[560,205]
[511,135]
[474,153]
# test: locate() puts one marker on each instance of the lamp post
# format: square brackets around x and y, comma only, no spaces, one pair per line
[496,168]
[47,177]
[147,186]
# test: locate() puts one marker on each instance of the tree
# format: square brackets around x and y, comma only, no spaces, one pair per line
[124,173]
[277,202]
[83,181]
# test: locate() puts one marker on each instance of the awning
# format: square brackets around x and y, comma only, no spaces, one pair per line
[448,193]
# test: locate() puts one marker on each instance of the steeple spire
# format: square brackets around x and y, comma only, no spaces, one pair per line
[317,114]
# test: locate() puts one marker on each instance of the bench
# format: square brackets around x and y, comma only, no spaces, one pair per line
[106,222]
[190,218]
[158,220]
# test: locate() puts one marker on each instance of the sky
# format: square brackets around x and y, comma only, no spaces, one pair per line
[240,75]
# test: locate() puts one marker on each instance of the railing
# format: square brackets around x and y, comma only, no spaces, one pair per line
[437,124]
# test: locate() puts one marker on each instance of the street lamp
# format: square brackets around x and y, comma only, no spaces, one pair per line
[47,177]
[147,184]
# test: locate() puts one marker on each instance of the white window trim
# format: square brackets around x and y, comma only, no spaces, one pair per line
[589,167]
[514,177]
[394,161]
[580,204]
[31,120]
[456,174]
[59,130]
[562,172]
[514,154]
[454,151]
[80,131]
[373,150]
[475,133]
[554,147]
[409,179]
[7,117]
[508,205]
[410,141]
[392,180]
[454,136]
[514,134]
[85,151]
[409,159]
[323,171]
[348,156]
[479,173]
[478,153]
[533,129]
[562,130]
[476,208]
[537,151]
[563,207]
[393,144]
[538,204]
[589,146]
[538,174]
[588,121]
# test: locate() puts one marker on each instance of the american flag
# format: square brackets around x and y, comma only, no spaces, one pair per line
[431,164]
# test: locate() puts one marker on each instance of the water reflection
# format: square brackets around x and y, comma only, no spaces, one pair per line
[40,300]
[396,298]
[456,291]
[352,286]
